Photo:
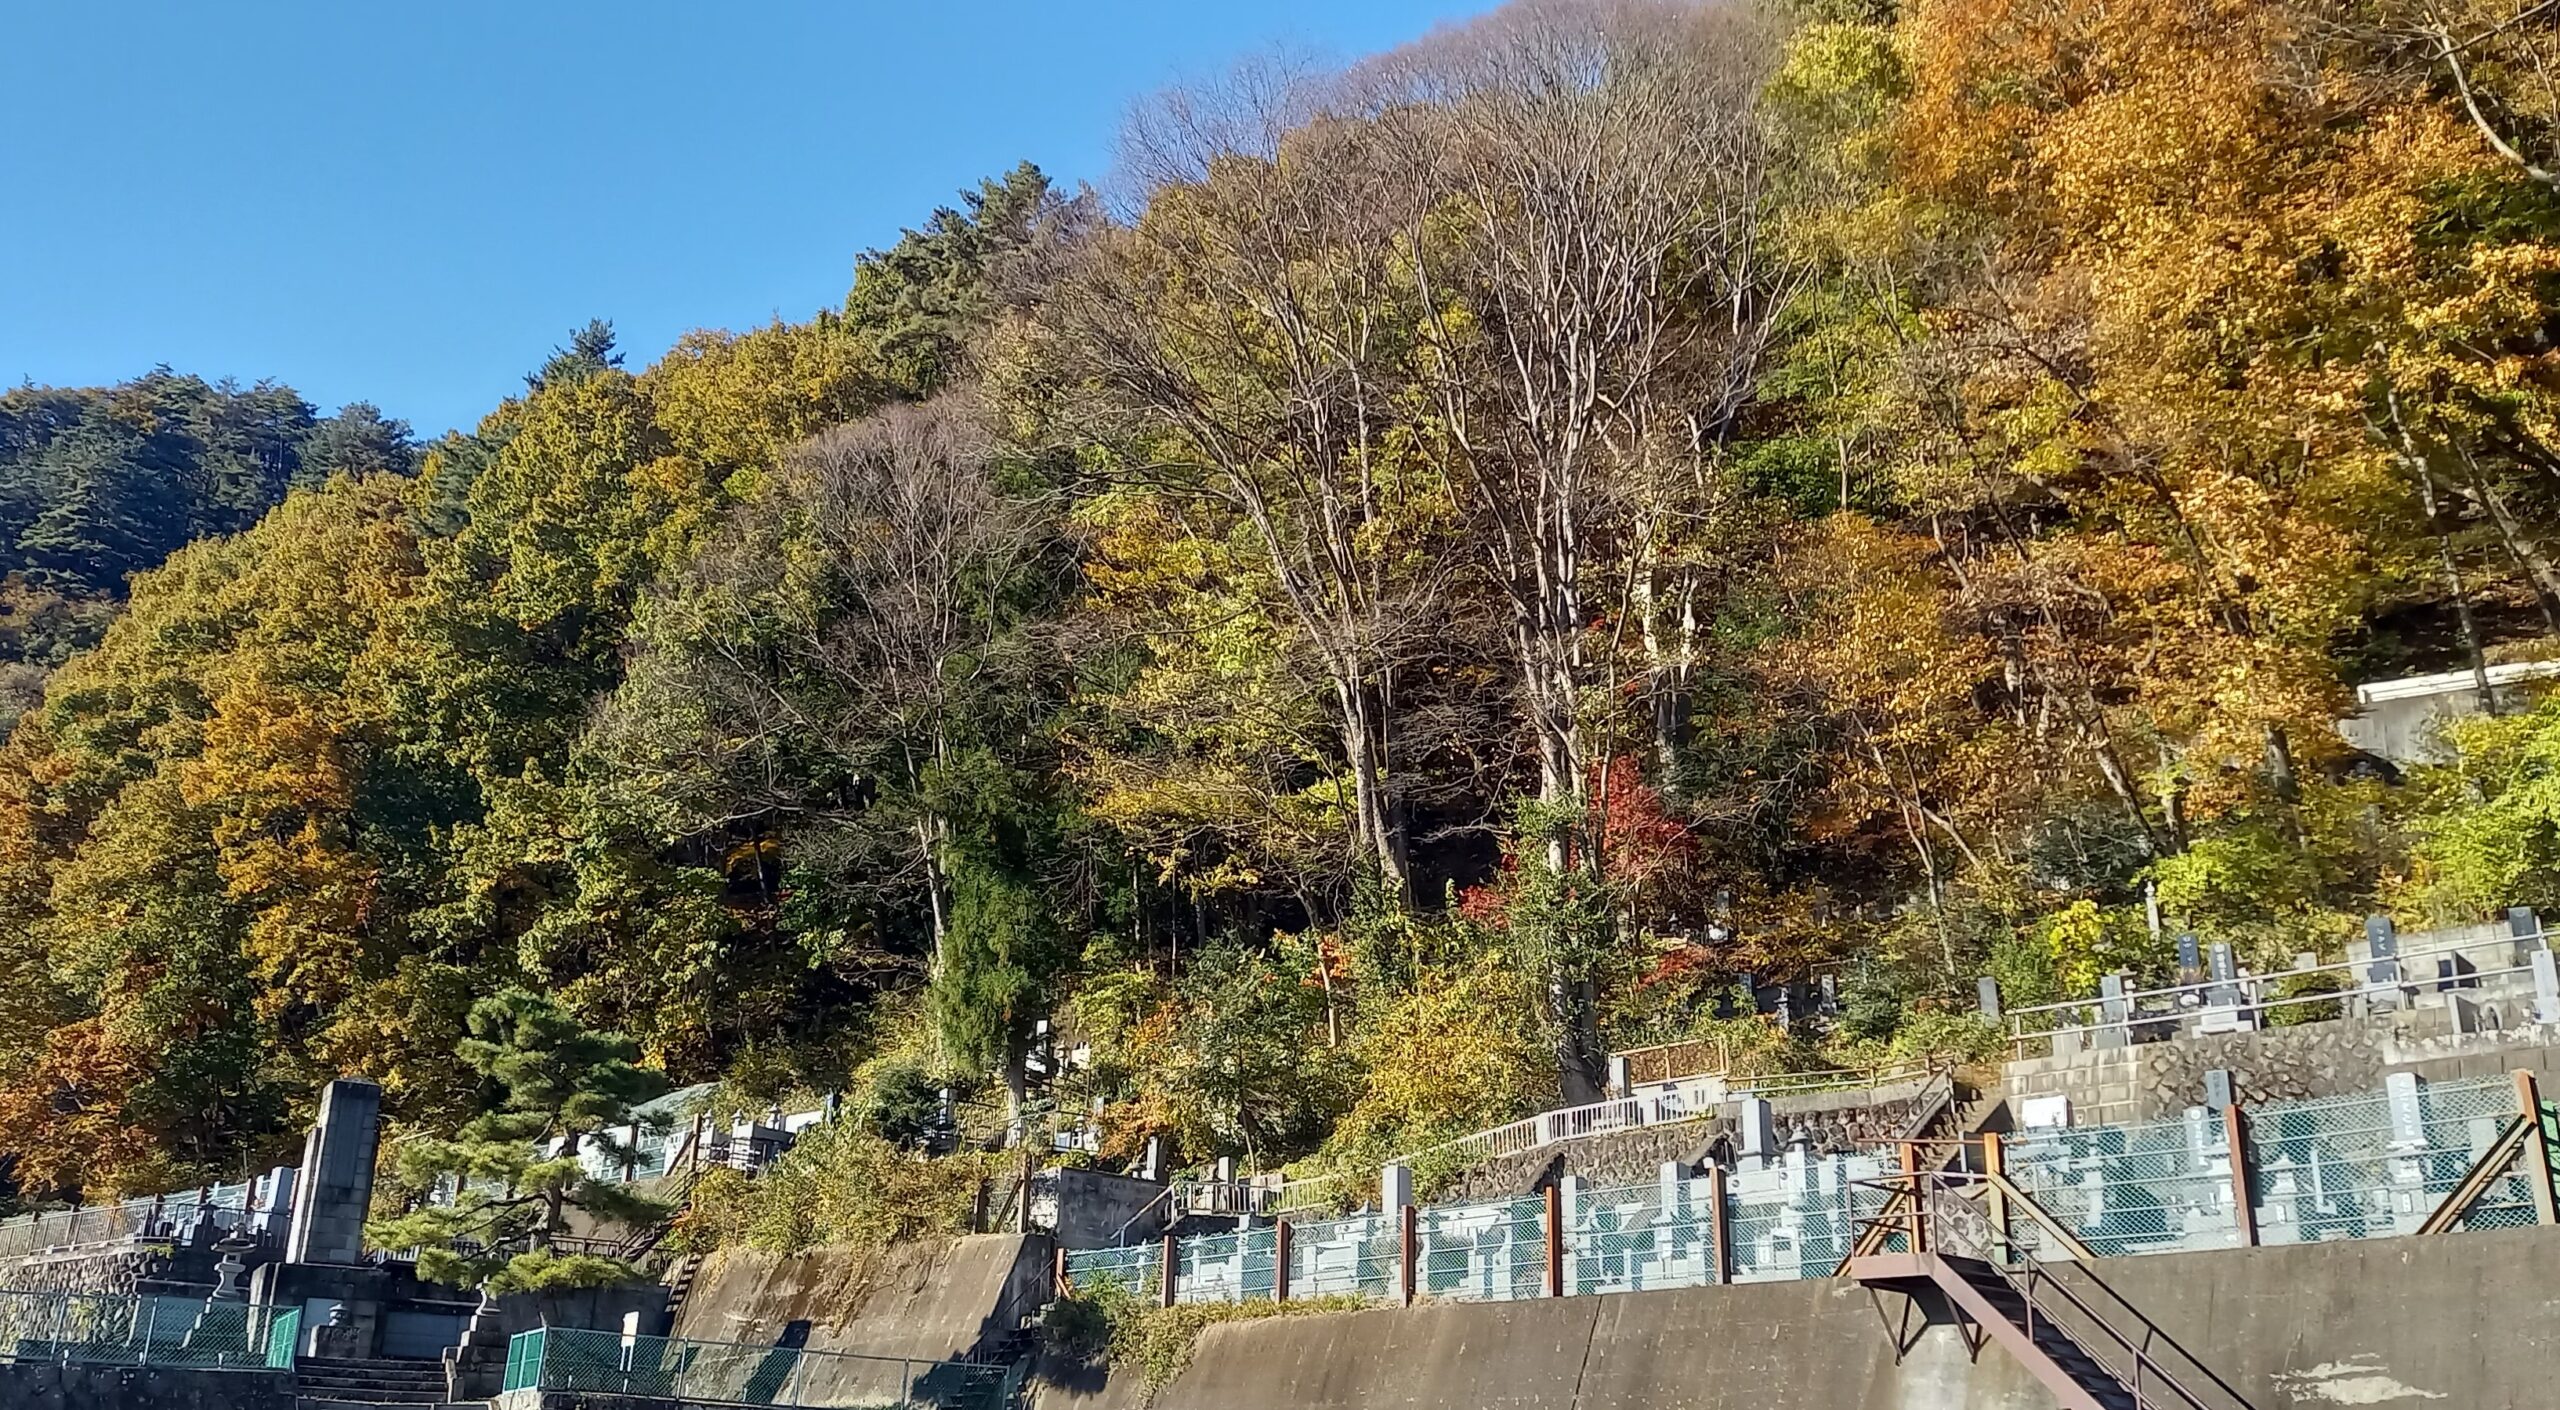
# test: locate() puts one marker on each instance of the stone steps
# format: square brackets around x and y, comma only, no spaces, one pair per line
[325,1381]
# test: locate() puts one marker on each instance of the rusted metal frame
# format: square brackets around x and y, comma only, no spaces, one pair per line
[1407,1221]
[2475,1182]
[2537,1149]
[2235,1135]
[1555,1241]
[1719,1225]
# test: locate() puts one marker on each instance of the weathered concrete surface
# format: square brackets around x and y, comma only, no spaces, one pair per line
[1093,1208]
[927,1301]
[2462,1322]
[40,1386]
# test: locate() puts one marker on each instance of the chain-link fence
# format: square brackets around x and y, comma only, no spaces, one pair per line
[1630,1238]
[1799,1217]
[1361,1256]
[1237,1267]
[672,1368]
[2349,1167]
[2149,1188]
[1137,1269]
[146,1330]
[2372,1165]
[1482,1252]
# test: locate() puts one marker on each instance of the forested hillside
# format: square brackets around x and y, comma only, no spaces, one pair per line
[100,482]
[1487,549]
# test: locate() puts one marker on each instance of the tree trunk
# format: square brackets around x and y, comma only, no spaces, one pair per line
[1379,837]
[1582,1060]
[2463,620]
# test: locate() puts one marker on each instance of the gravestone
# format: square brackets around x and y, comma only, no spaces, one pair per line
[2114,1013]
[2408,1115]
[2382,967]
[1986,993]
[1759,1133]
[2217,1088]
[2224,1010]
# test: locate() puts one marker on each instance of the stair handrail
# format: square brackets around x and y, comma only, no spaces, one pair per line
[1952,1214]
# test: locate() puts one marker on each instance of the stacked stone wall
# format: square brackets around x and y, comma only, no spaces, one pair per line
[1832,1122]
[2155,1081]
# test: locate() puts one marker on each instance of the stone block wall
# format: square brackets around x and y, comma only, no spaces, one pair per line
[1833,1121]
[2156,1081]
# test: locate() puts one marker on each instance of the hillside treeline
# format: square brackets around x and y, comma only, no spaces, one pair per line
[97,483]
[1469,558]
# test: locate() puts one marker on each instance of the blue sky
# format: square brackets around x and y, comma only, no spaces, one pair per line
[410,203]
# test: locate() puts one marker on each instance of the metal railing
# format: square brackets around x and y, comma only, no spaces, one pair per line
[734,1373]
[128,1329]
[1950,1221]
[223,1207]
[2254,993]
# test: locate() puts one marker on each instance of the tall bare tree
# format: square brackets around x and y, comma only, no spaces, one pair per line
[1246,344]
[1598,289]
[827,645]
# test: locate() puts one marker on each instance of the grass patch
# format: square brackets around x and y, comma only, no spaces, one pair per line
[1156,1342]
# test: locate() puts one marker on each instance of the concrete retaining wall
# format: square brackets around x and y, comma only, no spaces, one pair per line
[1095,1209]
[2458,1322]
[927,1301]
[38,1386]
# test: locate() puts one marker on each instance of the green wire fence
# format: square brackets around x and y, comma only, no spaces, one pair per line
[147,1330]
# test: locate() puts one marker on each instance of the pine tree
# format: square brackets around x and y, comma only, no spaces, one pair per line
[517,1168]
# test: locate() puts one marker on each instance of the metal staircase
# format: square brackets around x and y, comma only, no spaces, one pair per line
[2092,1349]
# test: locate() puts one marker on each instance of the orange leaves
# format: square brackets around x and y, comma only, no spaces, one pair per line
[65,1119]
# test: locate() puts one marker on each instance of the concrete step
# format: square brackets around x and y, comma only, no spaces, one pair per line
[350,1380]
[322,1382]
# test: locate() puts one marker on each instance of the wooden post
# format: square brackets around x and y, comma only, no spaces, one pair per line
[1283,1248]
[1171,1259]
[1995,1162]
[693,1144]
[2537,1149]
[1718,1235]
[1058,1283]
[2235,1134]
[1555,1240]
[1408,1223]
